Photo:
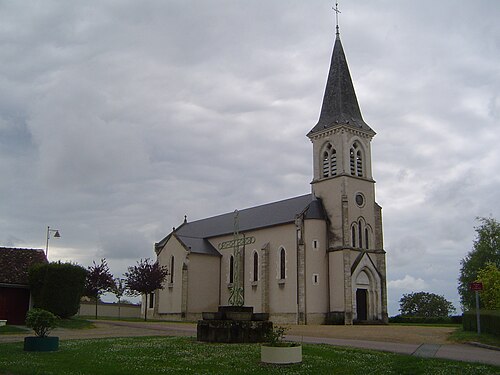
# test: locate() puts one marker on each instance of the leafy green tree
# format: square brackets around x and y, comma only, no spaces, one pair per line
[145,278]
[486,249]
[119,289]
[425,304]
[57,287]
[490,295]
[99,281]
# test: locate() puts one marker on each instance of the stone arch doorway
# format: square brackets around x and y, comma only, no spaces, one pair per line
[361,304]
[366,292]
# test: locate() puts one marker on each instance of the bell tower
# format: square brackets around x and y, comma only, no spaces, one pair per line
[342,179]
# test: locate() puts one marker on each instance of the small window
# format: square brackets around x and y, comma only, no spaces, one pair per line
[360,233]
[151,300]
[315,245]
[255,266]
[353,235]
[282,264]
[172,261]
[367,238]
[231,269]
[315,279]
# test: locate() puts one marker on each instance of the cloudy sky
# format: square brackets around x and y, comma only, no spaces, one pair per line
[117,118]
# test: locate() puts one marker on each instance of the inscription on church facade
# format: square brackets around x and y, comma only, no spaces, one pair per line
[239,242]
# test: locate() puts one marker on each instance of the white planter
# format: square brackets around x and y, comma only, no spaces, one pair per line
[281,354]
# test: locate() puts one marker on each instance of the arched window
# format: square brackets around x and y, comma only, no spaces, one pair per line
[325,164]
[333,162]
[359,164]
[360,234]
[231,269]
[367,241]
[356,160]
[255,266]
[172,269]
[329,161]
[353,235]
[282,263]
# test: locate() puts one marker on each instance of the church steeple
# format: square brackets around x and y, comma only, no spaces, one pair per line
[340,105]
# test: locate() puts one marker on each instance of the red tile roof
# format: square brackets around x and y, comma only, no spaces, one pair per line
[15,263]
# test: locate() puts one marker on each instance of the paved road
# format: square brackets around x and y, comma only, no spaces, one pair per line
[428,348]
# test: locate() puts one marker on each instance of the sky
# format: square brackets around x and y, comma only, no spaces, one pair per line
[117,118]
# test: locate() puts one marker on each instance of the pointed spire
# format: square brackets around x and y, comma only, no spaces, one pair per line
[340,105]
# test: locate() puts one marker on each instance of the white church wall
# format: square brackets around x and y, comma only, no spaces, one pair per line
[282,293]
[336,281]
[170,298]
[316,276]
[203,283]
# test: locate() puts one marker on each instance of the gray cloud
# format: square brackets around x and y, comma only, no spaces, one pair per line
[117,119]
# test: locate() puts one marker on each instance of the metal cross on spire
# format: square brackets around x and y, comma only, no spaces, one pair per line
[337,11]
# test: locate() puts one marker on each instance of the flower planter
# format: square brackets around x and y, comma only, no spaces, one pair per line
[41,344]
[281,354]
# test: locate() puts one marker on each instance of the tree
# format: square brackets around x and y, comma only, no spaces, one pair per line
[423,304]
[99,280]
[119,289]
[486,249]
[57,287]
[145,278]
[490,295]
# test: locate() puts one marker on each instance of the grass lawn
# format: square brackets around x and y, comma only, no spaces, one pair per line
[4,330]
[181,355]
[74,323]
[467,336]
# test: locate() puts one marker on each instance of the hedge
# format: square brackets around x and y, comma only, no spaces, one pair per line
[489,319]
[455,319]
[57,287]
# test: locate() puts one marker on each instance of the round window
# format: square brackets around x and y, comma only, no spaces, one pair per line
[360,200]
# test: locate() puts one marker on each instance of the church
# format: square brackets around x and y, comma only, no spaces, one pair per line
[313,259]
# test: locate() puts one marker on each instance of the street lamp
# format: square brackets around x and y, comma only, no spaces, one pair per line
[56,235]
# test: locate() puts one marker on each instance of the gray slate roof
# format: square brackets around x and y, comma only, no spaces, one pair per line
[194,234]
[15,264]
[340,105]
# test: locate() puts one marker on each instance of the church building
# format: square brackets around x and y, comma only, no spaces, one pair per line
[313,259]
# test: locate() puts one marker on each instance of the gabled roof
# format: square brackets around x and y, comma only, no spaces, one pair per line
[340,105]
[194,234]
[15,263]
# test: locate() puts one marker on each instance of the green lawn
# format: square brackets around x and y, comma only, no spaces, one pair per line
[74,323]
[180,355]
[8,329]
[466,336]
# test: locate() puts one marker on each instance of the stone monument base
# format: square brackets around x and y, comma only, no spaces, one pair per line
[234,324]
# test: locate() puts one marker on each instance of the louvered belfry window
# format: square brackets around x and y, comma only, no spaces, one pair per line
[356,160]
[329,161]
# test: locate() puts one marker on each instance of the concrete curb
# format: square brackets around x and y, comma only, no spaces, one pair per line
[484,346]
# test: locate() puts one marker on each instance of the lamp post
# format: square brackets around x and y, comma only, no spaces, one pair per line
[56,235]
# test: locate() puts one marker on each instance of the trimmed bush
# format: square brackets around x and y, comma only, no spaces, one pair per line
[489,319]
[57,287]
[456,319]
[41,321]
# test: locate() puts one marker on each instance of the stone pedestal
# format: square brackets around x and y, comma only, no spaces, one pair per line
[234,324]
